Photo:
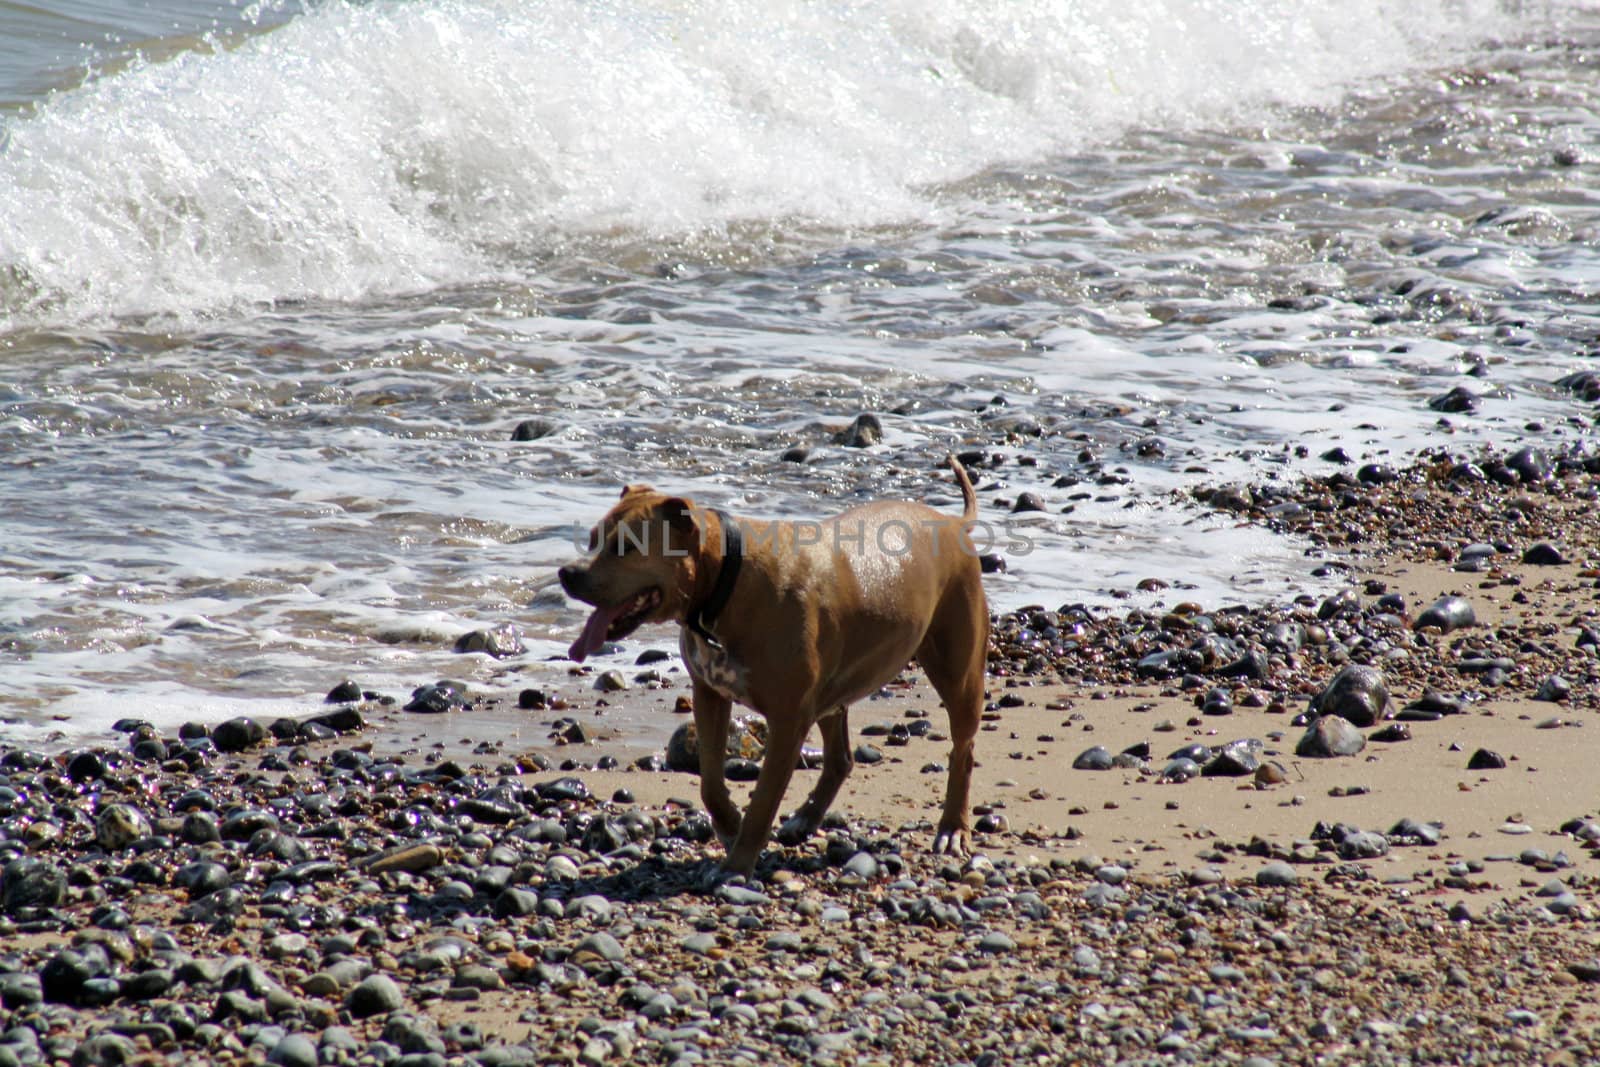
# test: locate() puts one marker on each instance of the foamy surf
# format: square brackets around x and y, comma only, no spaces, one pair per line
[389,148]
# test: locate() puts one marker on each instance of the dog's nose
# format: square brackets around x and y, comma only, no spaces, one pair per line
[570,575]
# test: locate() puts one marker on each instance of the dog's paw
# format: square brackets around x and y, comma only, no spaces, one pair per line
[951,842]
[715,876]
[794,830]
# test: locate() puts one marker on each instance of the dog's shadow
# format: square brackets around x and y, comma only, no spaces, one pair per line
[658,878]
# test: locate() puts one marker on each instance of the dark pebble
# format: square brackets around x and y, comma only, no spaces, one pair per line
[375,995]
[1377,474]
[1532,465]
[339,721]
[1097,758]
[1458,401]
[86,766]
[27,882]
[563,790]
[1233,760]
[1484,760]
[1357,693]
[434,699]
[236,735]
[865,431]
[741,770]
[533,429]
[1544,554]
[202,878]
[1344,602]
[346,692]
[1253,664]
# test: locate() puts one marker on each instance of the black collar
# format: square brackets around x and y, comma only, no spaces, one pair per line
[732,557]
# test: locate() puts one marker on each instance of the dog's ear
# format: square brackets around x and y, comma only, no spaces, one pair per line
[682,517]
[630,490]
[680,512]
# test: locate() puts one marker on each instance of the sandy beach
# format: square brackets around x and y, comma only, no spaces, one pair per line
[502,885]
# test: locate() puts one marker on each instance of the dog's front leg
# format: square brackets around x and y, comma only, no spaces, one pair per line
[785,733]
[711,712]
[837,762]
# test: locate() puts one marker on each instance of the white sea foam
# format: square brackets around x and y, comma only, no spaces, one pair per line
[390,147]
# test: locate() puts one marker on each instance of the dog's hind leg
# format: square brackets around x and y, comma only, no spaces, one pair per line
[954,654]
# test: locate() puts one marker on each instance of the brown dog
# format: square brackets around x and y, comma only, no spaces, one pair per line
[796,620]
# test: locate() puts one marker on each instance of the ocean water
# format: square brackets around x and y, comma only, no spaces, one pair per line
[278,281]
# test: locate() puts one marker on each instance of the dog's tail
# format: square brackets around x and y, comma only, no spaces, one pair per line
[969,496]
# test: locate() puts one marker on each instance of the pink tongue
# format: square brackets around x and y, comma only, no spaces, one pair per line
[594,632]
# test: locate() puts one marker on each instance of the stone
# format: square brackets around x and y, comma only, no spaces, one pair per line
[1485,760]
[236,735]
[1234,760]
[1277,875]
[1357,693]
[1097,758]
[377,994]
[1544,554]
[28,882]
[865,431]
[1554,689]
[599,946]
[1447,614]
[294,1050]
[1330,736]
[500,642]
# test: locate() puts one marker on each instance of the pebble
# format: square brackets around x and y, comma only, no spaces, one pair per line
[1544,554]
[1554,689]
[364,871]
[28,882]
[294,1050]
[865,431]
[1236,760]
[1447,614]
[1180,770]
[375,995]
[1485,760]
[1095,758]
[1330,736]
[1277,875]
[1356,693]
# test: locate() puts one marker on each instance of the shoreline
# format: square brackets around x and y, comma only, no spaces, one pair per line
[463,887]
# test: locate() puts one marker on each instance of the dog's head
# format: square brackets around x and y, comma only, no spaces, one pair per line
[640,568]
